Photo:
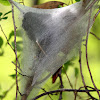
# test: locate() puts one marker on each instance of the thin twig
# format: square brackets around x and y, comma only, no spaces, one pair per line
[61,86]
[6,38]
[40,47]
[17,66]
[63,90]
[80,62]
[68,79]
[91,5]
[96,15]
[87,54]
[24,75]
[69,82]
[45,92]
[9,89]
[95,35]
[15,49]
[81,69]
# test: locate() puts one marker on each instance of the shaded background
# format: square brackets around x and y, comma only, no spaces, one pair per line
[7,56]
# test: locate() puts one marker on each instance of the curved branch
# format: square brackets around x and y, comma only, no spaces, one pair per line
[62,90]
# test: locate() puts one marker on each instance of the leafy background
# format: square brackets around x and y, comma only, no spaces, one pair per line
[7,72]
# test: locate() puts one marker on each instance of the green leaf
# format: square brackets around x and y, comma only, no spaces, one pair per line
[5,92]
[66,65]
[5,2]
[18,33]
[13,76]
[76,72]
[1,42]
[0,87]
[1,96]
[1,13]
[10,35]
[1,52]
[4,17]
[77,0]
[18,44]
[60,6]
[7,13]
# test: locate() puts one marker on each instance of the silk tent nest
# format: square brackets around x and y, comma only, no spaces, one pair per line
[50,38]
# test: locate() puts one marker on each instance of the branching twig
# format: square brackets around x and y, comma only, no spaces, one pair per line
[69,82]
[45,92]
[63,90]
[87,54]
[15,49]
[83,76]
[17,66]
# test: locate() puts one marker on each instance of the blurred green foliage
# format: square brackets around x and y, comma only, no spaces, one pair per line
[5,2]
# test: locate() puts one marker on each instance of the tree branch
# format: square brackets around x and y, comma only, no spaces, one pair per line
[87,54]
[62,90]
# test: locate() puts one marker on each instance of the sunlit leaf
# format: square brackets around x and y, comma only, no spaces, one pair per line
[1,42]
[5,2]
[7,13]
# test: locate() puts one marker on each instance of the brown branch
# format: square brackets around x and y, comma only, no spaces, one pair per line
[81,69]
[15,49]
[96,14]
[61,86]
[63,90]
[87,54]
[80,62]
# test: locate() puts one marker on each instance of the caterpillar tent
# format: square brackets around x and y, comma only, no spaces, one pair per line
[52,37]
